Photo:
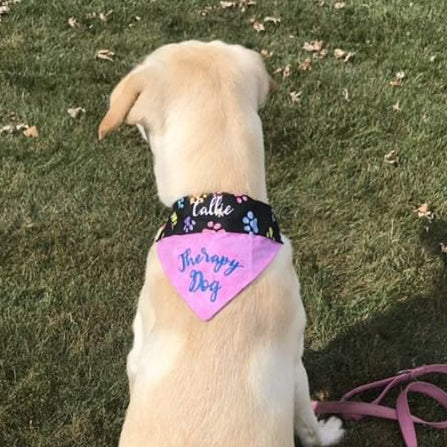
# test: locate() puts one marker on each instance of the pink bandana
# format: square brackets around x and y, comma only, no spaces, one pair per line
[214,246]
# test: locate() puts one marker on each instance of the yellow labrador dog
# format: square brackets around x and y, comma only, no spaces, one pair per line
[236,380]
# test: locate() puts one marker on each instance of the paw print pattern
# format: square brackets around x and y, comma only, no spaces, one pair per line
[240,199]
[174,219]
[188,224]
[214,226]
[197,199]
[250,223]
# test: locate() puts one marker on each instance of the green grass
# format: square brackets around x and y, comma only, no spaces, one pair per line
[77,217]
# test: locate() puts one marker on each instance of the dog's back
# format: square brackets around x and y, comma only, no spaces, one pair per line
[229,381]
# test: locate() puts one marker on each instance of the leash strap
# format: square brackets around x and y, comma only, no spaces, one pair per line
[354,410]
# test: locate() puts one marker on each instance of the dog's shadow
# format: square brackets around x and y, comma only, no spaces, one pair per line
[412,333]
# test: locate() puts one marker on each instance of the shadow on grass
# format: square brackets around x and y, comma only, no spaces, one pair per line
[411,333]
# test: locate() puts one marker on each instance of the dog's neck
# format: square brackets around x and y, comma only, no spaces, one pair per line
[227,156]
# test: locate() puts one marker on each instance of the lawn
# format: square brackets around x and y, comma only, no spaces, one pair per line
[77,216]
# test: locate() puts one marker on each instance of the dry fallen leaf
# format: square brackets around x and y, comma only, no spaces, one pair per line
[244,4]
[345,94]
[266,53]
[321,54]
[339,5]
[392,158]
[104,17]
[397,81]
[423,211]
[73,22]
[4,10]
[295,96]
[306,65]
[274,20]
[315,46]
[287,71]
[339,53]
[204,12]
[74,112]
[259,27]
[105,55]
[397,106]
[443,247]
[226,5]
[31,132]
[342,54]
[13,128]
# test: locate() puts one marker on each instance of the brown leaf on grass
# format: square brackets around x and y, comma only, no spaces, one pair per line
[266,53]
[424,211]
[105,55]
[74,112]
[105,16]
[258,26]
[314,46]
[241,4]
[397,107]
[295,96]
[287,71]
[443,248]
[321,54]
[342,54]
[275,20]
[4,10]
[397,81]
[226,5]
[339,5]
[392,158]
[31,132]
[205,11]
[13,128]
[306,65]
[73,22]
[245,4]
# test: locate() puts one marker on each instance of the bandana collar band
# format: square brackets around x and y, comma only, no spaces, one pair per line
[221,212]
[215,245]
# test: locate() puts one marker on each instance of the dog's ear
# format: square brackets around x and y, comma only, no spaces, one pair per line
[123,98]
[266,84]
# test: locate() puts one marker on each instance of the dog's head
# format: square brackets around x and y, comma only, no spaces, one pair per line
[182,89]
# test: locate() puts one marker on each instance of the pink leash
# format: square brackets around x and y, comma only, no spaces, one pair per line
[354,410]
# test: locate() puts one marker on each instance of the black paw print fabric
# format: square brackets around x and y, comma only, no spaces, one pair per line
[217,212]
